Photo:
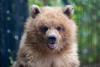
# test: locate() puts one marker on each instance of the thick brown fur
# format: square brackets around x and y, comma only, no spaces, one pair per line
[33,51]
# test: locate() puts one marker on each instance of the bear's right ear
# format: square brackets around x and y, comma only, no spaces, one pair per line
[69,10]
[35,10]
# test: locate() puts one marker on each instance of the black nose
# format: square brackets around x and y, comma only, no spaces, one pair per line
[51,39]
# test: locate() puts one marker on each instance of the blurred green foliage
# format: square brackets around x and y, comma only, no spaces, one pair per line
[87,16]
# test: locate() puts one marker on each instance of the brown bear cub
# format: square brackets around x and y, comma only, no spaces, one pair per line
[49,39]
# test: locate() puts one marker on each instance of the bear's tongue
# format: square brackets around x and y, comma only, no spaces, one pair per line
[52,46]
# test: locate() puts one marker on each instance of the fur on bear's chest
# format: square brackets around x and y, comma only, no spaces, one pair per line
[49,63]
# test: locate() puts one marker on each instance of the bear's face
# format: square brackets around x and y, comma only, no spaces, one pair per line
[51,30]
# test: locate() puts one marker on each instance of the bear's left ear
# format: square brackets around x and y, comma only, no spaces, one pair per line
[69,10]
[35,10]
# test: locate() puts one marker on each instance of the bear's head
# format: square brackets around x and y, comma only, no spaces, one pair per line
[51,29]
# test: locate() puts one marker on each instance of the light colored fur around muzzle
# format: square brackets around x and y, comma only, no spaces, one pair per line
[53,32]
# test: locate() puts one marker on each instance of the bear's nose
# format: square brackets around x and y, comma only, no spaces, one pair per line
[51,39]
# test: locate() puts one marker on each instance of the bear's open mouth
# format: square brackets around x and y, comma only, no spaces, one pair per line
[52,46]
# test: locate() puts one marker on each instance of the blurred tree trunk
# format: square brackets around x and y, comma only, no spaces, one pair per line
[12,17]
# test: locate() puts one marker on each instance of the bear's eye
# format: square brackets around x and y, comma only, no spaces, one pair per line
[43,29]
[61,29]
